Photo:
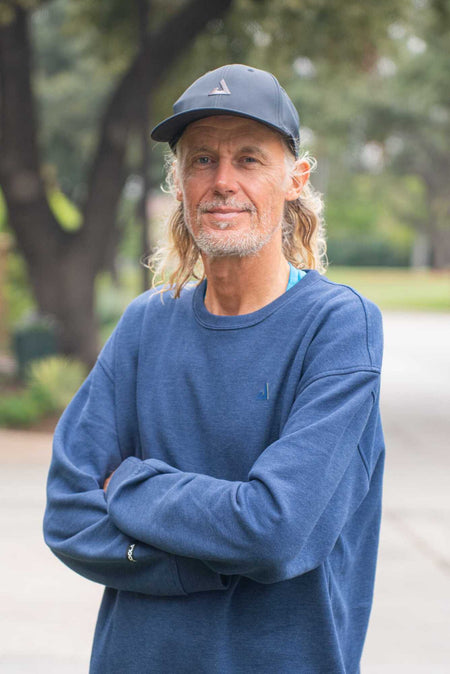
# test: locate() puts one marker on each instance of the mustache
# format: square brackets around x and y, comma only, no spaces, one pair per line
[206,206]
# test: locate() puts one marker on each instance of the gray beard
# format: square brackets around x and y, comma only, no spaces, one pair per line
[241,245]
[236,244]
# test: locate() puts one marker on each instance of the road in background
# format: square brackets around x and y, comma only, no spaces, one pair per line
[48,613]
[410,621]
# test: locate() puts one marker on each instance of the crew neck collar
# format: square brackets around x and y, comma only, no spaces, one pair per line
[215,322]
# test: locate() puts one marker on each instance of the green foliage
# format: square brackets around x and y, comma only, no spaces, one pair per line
[113,26]
[51,384]
[55,380]
[7,9]
[17,289]
[67,214]
[397,289]
[113,297]
[327,53]
[33,338]
[72,85]
[367,219]
[3,213]
[94,43]
[363,250]
[21,409]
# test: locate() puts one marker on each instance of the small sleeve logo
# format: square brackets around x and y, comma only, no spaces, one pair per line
[130,552]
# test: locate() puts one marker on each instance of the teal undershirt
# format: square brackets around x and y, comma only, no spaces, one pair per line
[295,275]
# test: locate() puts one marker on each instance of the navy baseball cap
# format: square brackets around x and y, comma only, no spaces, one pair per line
[233,90]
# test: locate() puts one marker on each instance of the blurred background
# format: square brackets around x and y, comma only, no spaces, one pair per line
[82,82]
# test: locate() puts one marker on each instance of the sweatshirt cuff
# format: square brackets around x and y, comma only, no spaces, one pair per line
[192,575]
[195,576]
[129,467]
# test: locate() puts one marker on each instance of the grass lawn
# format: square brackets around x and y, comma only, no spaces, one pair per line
[398,289]
[395,289]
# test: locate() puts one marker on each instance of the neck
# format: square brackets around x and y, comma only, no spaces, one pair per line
[242,285]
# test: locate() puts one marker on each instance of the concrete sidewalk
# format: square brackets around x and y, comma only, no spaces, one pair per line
[47,613]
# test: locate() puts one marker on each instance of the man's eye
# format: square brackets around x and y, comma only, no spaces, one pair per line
[249,160]
[202,160]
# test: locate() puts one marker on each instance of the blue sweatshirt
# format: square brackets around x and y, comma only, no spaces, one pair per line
[239,531]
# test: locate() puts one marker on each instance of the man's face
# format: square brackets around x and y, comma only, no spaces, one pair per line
[233,179]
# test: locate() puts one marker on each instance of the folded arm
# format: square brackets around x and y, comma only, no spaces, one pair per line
[285,519]
[77,525]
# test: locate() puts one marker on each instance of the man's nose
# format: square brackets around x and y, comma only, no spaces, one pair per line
[225,178]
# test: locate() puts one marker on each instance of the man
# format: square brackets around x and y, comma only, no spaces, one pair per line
[220,469]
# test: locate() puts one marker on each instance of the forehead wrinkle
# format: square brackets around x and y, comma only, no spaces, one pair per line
[244,149]
[198,148]
[228,127]
[190,148]
[253,149]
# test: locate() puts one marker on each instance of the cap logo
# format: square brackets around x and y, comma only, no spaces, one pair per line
[221,89]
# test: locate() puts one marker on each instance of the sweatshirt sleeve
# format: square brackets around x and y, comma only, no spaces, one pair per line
[77,526]
[285,519]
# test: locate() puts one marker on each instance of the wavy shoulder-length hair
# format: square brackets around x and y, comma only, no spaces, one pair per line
[178,261]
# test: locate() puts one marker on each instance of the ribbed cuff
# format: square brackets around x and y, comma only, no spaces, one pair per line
[127,468]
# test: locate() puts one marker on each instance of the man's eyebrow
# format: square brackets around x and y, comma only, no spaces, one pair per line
[198,148]
[253,149]
[245,149]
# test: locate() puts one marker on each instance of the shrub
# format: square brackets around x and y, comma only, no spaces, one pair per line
[51,384]
[20,409]
[55,380]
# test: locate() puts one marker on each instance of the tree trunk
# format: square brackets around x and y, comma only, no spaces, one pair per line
[62,282]
[62,266]
[65,290]
[436,183]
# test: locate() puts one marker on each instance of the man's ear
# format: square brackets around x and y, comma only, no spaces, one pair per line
[299,175]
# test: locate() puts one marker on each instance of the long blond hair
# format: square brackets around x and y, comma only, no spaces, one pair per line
[178,260]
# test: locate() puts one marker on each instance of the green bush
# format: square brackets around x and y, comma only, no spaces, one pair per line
[34,338]
[55,380]
[366,251]
[51,384]
[21,409]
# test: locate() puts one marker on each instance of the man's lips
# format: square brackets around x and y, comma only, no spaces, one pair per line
[225,213]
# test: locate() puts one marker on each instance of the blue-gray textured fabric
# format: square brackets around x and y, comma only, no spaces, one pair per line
[248,456]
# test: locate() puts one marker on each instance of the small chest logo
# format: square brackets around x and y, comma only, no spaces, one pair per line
[264,394]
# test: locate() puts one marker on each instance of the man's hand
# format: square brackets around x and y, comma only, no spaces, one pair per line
[105,486]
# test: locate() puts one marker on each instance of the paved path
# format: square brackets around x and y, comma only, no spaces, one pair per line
[47,613]
[410,625]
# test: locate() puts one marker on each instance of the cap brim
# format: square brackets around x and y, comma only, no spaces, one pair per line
[170,130]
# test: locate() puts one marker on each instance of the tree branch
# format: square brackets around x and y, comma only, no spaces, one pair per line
[35,226]
[150,66]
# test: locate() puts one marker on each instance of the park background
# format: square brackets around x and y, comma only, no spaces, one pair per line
[81,205]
